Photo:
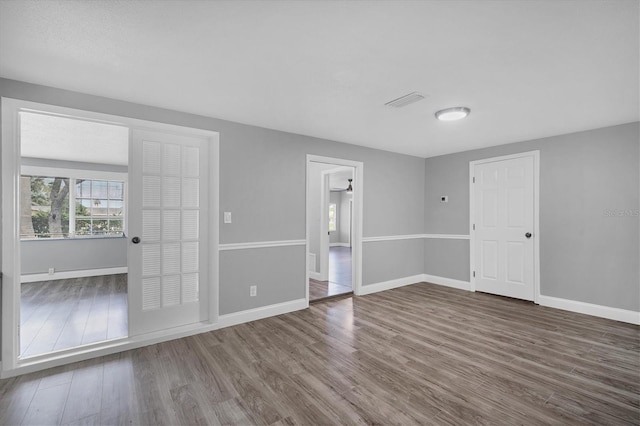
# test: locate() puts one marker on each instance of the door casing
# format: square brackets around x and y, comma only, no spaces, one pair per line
[358,191]
[536,217]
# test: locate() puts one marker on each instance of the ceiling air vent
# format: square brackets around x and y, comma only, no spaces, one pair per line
[405,100]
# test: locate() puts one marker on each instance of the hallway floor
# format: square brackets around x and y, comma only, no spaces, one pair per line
[339,275]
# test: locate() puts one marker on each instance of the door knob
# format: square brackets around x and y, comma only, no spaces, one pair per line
[135,240]
[528,235]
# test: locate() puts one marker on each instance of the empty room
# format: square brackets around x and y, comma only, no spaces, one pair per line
[320,212]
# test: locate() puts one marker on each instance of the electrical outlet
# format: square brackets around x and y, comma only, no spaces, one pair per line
[51,271]
[253,290]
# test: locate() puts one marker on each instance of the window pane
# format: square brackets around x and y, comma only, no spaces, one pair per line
[116,190]
[115,208]
[100,227]
[83,189]
[115,227]
[99,189]
[44,207]
[81,209]
[83,227]
[100,208]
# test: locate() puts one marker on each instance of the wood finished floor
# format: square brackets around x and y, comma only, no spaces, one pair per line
[62,314]
[420,354]
[339,276]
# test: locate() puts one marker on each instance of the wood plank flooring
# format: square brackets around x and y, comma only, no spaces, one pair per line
[61,314]
[339,276]
[323,289]
[421,354]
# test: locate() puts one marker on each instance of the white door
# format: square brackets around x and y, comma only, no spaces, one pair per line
[504,219]
[167,231]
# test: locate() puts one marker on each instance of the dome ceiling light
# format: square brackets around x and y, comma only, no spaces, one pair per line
[452,114]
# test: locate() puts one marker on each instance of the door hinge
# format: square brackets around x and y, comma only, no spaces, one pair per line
[474,226]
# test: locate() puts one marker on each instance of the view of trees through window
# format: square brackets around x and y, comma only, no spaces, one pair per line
[60,207]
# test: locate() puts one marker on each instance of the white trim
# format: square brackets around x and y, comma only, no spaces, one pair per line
[214,227]
[74,173]
[447,282]
[339,245]
[323,251]
[260,244]
[449,236]
[68,356]
[392,238]
[388,285]
[10,232]
[616,314]
[261,312]
[63,275]
[536,216]
[416,236]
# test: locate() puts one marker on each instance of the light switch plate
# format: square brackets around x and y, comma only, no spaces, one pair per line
[227,217]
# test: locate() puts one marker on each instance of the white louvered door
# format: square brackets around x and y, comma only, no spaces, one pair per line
[167,231]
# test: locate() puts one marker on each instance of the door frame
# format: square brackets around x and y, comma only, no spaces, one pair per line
[11,365]
[358,191]
[536,216]
[324,225]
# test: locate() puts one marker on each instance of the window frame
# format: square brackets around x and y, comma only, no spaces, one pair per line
[73,175]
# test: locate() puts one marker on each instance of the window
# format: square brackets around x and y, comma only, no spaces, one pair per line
[66,207]
[332,217]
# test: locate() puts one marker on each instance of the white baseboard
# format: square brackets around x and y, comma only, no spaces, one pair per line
[615,314]
[447,282]
[260,313]
[63,275]
[388,285]
[400,282]
[339,245]
[315,275]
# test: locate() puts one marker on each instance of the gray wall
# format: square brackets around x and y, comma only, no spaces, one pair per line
[262,182]
[586,254]
[38,255]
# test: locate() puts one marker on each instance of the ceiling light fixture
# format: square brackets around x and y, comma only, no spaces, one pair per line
[452,114]
[350,188]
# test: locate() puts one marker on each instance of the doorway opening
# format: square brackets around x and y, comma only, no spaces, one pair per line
[106,245]
[73,250]
[332,200]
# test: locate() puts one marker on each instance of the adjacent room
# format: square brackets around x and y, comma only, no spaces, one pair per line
[73,284]
[312,212]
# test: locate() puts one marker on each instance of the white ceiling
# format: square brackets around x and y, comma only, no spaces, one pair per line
[527,69]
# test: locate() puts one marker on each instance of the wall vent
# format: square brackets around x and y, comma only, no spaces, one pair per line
[405,100]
